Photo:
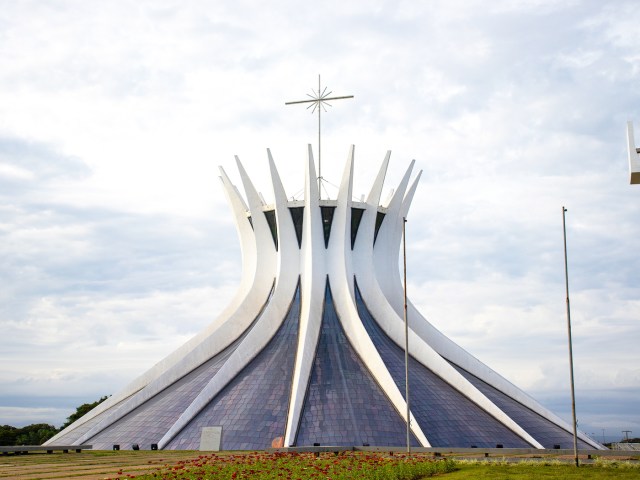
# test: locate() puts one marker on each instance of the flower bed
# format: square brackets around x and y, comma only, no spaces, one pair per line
[303,466]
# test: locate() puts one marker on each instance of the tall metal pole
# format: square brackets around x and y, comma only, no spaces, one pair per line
[406,333]
[573,394]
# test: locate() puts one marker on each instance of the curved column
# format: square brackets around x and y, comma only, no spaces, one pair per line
[339,248]
[270,276]
[454,353]
[214,340]
[255,341]
[229,325]
[460,357]
[288,258]
[386,250]
[344,301]
[443,345]
[362,254]
[271,318]
[313,272]
[384,284]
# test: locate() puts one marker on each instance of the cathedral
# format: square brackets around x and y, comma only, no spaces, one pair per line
[311,350]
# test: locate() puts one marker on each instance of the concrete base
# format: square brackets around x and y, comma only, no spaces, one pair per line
[24,449]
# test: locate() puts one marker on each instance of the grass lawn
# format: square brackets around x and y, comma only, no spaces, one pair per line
[528,470]
[147,465]
[350,465]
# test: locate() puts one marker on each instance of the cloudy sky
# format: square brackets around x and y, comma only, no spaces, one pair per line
[116,243]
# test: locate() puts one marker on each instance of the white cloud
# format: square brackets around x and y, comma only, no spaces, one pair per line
[115,239]
[21,416]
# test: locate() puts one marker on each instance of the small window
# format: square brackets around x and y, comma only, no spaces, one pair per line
[356,218]
[379,219]
[270,215]
[327,220]
[297,218]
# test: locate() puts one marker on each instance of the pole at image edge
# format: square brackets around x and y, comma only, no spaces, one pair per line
[406,333]
[573,394]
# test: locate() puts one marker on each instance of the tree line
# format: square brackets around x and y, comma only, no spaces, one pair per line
[38,433]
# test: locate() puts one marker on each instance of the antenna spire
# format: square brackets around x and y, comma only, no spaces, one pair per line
[318,100]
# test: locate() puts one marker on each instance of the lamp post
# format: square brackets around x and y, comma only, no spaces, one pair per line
[573,394]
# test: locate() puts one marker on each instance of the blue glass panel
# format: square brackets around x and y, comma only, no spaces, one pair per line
[344,405]
[547,433]
[71,437]
[447,417]
[252,408]
[149,422]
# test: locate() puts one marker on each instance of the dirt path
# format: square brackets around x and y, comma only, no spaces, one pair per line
[87,465]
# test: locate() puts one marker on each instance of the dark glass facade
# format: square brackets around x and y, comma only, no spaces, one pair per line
[297,217]
[72,436]
[344,405]
[356,218]
[446,416]
[270,216]
[547,433]
[327,221]
[149,422]
[379,218]
[252,408]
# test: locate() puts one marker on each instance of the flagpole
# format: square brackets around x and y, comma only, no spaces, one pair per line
[406,334]
[573,394]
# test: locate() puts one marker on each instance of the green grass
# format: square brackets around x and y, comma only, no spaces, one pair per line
[550,470]
[279,466]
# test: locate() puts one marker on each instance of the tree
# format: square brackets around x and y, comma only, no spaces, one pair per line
[38,433]
[82,410]
[8,435]
[35,434]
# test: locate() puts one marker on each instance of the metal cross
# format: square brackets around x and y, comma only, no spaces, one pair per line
[318,100]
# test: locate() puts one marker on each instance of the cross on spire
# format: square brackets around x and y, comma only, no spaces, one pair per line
[318,100]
